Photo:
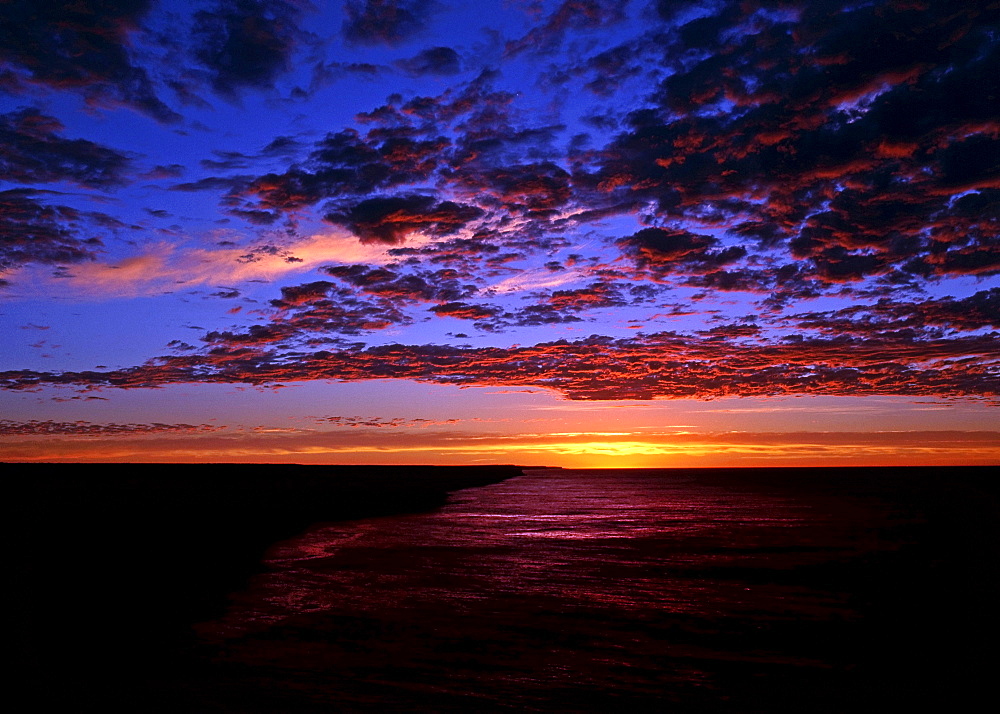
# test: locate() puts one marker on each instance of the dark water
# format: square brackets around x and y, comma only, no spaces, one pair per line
[574,590]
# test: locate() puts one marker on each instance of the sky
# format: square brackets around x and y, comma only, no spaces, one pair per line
[608,233]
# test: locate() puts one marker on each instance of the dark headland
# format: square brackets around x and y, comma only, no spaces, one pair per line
[113,563]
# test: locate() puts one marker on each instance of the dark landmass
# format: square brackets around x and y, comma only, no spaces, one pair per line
[113,563]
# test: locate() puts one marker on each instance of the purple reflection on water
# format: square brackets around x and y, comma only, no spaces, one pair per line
[577,590]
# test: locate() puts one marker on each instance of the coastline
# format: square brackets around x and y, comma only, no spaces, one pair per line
[112,567]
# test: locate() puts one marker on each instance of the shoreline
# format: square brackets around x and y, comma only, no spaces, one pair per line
[112,568]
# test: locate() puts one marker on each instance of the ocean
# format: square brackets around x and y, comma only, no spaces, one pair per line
[559,590]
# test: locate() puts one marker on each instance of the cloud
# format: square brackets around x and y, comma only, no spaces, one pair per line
[976,312]
[611,68]
[659,366]
[535,280]
[345,163]
[166,267]
[441,61]
[320,307]
[538,189]
[392,218]
[246,43]
[464,311]
[388,22]
[9,427]
[442,285]
[600,295]
[566,306]
[80,47]
[747,156]
[546,36]
[355,422]
[34,232]
[32,152]
[161,171]
[842,132]
[365,299]
[666,250]
[490,165]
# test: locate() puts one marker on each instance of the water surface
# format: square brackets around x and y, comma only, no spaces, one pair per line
[601,590]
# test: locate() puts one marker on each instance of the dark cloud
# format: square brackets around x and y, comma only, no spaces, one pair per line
[601,295]
[230,185]
[464,311]
[982,258]
[33,232]
[9,427]
[348,317]
[612,67]
[282,145]
[537,188]
[570,306]
[295,295]
[163,172]
[389,219]
[246,43]
[388,22]
[259,218]
[226,161]
[466,254]
[703,32]
[490,141]
[890,316]
[355,422]
[731,332]
[309,315]
[443,285]
[434,60]
[326,73]
[267,250]
[314,324]
[345,163]
[740,280]
[970,162]
[32,151]
[478,104]
[81,47]
[496,163]
[530,316]
[666,250]
[844,132]
[571,14]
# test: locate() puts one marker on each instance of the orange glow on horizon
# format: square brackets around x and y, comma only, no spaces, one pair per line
[570,450]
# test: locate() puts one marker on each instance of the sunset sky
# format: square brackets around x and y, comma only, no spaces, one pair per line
[567,232]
